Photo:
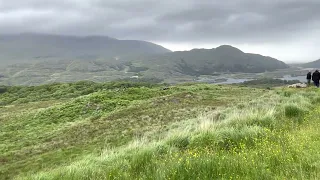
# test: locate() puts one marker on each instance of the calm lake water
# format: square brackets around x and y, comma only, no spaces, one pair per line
[233,81]
[300,78]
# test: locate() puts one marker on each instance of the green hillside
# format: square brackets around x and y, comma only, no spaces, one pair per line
[122,130]
[210,61]
[313,64]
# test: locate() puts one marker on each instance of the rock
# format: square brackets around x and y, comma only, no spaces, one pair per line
[188,96]
[298,85]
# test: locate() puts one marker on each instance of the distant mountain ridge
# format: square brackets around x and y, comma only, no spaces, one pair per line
[28,46]
[224,58]
[313,64]
[37,59]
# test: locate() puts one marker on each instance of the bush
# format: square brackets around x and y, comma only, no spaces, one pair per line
[141,159]
[316,100]
[229,138]
[293,111]
[287,93]
[268,83]
[204,139]
[179,141]
[3,89]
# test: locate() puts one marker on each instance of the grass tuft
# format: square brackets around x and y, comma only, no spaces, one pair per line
[292,110]
[179,141]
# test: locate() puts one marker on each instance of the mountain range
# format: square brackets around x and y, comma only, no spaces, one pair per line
[28,46]
[39,58]
[224,58]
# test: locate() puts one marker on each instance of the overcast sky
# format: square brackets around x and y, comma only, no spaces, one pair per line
[285,29]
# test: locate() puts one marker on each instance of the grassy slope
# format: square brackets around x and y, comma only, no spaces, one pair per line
[275,137]
[189,131]
[48,126]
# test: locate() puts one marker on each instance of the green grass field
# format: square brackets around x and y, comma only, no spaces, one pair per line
[123,130]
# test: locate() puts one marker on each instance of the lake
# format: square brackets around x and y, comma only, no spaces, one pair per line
[235,81]
[300,78]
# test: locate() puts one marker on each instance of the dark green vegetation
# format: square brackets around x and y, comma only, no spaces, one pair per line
[268,83]
[144,131]
[26,94]
[53,58]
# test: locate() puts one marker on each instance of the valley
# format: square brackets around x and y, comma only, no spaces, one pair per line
[64,71]
[54,58]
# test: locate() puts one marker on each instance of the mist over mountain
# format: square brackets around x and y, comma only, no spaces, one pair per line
[29,46]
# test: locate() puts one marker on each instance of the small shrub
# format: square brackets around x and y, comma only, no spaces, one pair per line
[3,89]
[204,139]
[140,160]
[181,142]
[292,111]
[162,149]
[229,138]
[316,100]
[241,106]
[22,100]
[287,93]
[95,117]
[267,121]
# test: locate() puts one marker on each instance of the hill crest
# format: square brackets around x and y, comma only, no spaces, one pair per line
[29,46]
[313,64]
[224,58]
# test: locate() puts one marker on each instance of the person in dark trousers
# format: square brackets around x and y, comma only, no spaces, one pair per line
[309,78]
[316,78]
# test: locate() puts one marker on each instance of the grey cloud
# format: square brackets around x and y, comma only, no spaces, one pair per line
[167,21]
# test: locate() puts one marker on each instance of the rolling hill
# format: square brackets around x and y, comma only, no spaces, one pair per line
[27,47]
[313,64]
[37,59]
[209,61]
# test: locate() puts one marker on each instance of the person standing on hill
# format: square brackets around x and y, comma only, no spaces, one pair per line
[316,78]
[309,78]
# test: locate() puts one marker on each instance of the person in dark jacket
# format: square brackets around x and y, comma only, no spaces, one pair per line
[316,78]
[309,78]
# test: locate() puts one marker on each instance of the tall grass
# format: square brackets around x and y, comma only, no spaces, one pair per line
[261,139]
[54,131]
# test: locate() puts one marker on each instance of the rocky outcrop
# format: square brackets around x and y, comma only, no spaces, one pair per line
[298,85]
